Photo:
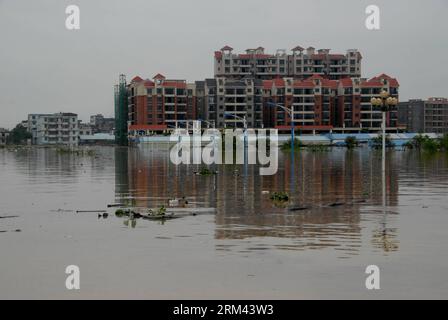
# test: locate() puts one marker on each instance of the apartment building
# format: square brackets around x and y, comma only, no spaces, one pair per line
[160,103]
[4,134]
[321,104]
[299,64]
[101,124]
[54,129]
[424,116]
[229,103]
[355,110]
[318,104]
[85,129]
[312,103]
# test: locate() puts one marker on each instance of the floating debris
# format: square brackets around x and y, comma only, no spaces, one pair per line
[178,202]
[298,208]
[205,172]
[336,204]
[91,211]
[117,205]
[8,217]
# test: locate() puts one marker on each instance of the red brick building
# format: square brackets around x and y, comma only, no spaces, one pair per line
[157,104]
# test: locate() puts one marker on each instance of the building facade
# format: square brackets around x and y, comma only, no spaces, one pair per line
[4,134]
[299,64]
[321,104]
[54,129]
[229,103]
[160,104]
[100,124]
[424,116]
[85,129]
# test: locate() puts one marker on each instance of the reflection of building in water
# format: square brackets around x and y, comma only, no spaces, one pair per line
[243,208]
[317,180]
[153,179]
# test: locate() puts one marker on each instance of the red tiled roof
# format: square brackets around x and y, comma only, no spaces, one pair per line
[225,48]
[298,48]
[310,127]
[148,83]
[346,82]
[159,77]
[392,81]
[175,84]
[257,56]
[307,83]
[148,127]
[137,79]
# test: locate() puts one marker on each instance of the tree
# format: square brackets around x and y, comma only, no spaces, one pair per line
[19,135]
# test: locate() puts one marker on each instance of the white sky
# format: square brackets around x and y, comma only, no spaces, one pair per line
[46,68]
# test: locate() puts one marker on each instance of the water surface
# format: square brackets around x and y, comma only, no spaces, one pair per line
[240,244]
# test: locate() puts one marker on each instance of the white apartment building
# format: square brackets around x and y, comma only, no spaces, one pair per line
[54,129]
[300,64]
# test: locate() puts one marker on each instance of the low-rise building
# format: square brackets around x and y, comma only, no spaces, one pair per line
[54,129]
[85,129]
[101,124]
[424,116]
[4,134]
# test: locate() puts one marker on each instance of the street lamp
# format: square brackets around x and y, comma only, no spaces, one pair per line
[227,114]
[385,102]
[209,123]
[291,115]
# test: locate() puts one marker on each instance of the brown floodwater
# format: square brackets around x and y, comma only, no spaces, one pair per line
[239,244]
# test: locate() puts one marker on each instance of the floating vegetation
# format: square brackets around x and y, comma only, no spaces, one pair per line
[205,172]
[377,143]
[75,151]
[287,145]
[280,196]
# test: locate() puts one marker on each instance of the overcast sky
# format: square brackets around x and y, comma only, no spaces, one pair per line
[46,68]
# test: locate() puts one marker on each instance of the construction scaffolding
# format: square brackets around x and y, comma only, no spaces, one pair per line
[121,112]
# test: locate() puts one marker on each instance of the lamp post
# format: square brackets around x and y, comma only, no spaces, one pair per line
[385,102]
[291,115]
[227,114]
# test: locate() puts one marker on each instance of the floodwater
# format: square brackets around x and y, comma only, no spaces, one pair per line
[240,244]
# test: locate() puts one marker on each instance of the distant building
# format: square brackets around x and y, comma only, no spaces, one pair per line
[4,134]
[85,129]
[54,129]
[100,124]
[424,116]
[300,64]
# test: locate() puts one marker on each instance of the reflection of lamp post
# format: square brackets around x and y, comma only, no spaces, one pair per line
[291,115]
[385,102]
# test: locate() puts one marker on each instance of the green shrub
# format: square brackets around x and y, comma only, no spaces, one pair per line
[351,142]
[377,143]
[287,145]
